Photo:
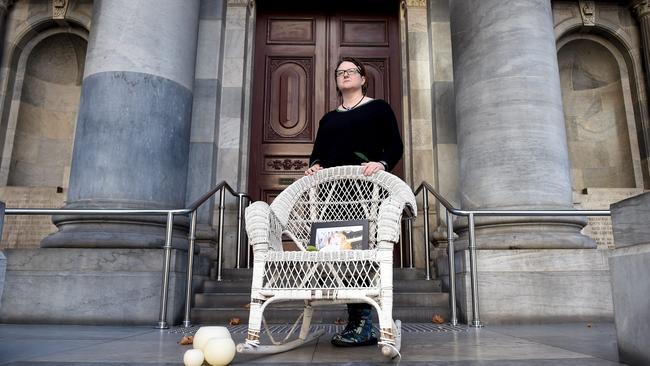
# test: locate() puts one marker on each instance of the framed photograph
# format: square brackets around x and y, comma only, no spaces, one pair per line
[339,235]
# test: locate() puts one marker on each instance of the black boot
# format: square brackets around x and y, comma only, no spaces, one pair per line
[359,330]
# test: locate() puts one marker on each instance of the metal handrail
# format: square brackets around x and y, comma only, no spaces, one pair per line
[191,210]
[223,186]
[201,200]
[426,188]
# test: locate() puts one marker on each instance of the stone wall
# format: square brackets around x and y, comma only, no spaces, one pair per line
[595,115]
[28,231]
[600,227]
[40,75]
[602,88]
[604,93]
[42,146]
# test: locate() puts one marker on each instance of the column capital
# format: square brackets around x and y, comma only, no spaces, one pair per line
[641,8]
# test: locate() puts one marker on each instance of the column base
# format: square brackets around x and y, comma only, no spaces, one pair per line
[526,233]
[534,286]
[94,286]
[107,234]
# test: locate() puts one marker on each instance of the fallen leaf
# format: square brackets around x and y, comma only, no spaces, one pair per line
[247,306]
[235,321]
[339,321]
[185,340]
[437,319]
[588,325]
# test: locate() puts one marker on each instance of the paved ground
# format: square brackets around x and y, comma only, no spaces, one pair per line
[424,344]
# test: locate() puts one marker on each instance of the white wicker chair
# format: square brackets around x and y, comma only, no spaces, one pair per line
[321,278]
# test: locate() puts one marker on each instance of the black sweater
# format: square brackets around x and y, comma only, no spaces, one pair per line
[369,130]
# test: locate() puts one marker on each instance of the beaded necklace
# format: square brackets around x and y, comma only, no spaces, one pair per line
[354,106]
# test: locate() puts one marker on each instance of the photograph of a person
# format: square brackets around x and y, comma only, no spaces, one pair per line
[340,235]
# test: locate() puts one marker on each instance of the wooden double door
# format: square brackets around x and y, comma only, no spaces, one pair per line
[297,47]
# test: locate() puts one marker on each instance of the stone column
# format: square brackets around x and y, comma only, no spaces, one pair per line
[4,10]
[641,9]
[510,123]
[133,129]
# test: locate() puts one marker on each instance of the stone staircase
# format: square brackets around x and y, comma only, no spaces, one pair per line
[416,300]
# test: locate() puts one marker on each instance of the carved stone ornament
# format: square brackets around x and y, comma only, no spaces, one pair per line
[238,2]
[59,8]
[588,12]
[641,8]
[416,3]
[5,4]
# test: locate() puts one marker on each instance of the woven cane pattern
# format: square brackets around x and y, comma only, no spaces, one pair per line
[345,199]
[341,193]
[354,269]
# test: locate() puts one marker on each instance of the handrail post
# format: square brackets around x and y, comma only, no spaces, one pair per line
[248,249]
[162,318]
[190,264]
[240,218]
[425,206]
[401,244]
[222,204]
[409,229]
[476,321]
[452,268]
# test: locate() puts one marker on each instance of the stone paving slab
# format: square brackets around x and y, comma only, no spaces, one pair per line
[535,345]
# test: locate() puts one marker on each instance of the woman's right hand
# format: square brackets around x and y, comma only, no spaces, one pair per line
[313,169]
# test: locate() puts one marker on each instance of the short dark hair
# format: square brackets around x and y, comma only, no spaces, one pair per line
[360,67]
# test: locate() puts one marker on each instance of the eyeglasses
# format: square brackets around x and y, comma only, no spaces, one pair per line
[349,72]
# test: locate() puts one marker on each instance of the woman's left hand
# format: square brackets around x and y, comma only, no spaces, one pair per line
[372,167]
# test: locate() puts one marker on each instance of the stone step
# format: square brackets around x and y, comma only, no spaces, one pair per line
[238,299]
[243,286]
[416,300]
[322,315]
[232,274]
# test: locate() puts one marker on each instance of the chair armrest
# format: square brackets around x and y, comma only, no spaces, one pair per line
[263,228]
[389,217]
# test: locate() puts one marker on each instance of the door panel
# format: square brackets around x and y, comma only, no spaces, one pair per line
[287,98]
[297,47]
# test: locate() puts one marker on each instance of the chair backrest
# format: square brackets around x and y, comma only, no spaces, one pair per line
[335,194]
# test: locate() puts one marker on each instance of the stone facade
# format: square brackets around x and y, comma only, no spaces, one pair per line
[27,231]
[543,105]
[40,78]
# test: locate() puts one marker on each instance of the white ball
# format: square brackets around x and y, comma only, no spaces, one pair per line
[204,334]
[193,357]
[219,351]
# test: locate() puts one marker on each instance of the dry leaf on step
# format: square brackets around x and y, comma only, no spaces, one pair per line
[437,319]
[185,340]
[247,306]
[339,321]
[234,321]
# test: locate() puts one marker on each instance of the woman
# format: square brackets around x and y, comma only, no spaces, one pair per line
[361,131]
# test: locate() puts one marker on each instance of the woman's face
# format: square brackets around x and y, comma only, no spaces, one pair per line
[348,77]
